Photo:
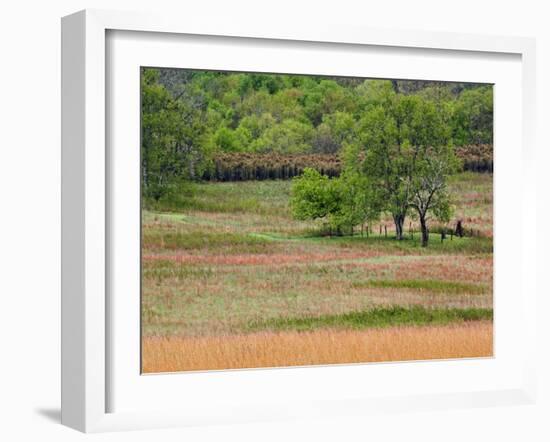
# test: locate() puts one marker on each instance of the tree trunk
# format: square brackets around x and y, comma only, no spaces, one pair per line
[397,232]
[399,221]
[424,229]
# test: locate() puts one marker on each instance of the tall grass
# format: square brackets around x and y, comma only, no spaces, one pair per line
[326,346]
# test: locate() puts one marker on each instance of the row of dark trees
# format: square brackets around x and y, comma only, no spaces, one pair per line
[253,166]
[274,166]
[476,158]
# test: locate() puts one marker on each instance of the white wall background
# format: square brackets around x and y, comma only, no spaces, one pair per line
[30,215]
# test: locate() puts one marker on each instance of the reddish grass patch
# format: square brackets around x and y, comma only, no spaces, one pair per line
[259,259]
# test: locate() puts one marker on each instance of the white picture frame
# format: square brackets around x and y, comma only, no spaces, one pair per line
[87,353]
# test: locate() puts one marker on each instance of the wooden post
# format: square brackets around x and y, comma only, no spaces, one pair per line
[380,233]
[459,231]
[385,231]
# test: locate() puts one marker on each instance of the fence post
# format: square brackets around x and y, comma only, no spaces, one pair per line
[385,231]
[459,231]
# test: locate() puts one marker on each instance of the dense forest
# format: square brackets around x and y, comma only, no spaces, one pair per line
[205,125]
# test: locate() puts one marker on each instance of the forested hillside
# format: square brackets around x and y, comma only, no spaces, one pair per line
[225,126]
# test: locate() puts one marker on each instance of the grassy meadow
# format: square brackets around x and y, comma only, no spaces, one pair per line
[231,280]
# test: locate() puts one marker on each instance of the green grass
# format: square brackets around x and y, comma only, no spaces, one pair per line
[465,245]
[431,285]
[238,243]
[377,318]
[258,206]
[257,197]
[243,258]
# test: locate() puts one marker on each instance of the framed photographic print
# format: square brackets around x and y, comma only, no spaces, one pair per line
[306,220]
[263,224]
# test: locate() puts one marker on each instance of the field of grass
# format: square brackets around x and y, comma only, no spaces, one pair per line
[266,349]
[230,280]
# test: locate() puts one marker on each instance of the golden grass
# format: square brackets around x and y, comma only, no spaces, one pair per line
[266,349]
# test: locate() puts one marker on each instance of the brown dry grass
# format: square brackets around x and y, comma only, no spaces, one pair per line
[170,354]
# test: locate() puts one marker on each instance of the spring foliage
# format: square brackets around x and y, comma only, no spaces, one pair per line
[191,119]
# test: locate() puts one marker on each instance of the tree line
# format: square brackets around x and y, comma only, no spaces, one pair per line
[192,119]
[244,166]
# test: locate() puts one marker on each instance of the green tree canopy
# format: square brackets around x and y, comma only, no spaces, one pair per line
[401,141]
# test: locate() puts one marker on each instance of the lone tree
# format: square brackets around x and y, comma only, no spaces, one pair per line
[407,154]
[428,185]
[382,159]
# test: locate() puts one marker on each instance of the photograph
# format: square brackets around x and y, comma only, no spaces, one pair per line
[303,220]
